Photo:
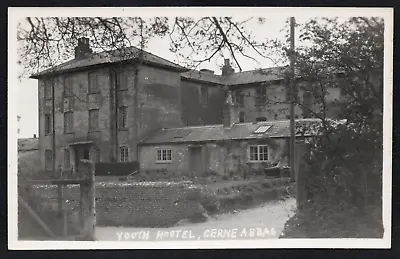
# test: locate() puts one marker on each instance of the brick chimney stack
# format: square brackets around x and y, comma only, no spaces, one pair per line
[83,48]
[229,114]
[227,68]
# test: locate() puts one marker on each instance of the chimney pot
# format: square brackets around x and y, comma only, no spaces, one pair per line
[227,68]
[229,114]
[83,48]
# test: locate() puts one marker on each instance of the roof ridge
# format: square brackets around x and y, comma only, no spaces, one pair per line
[253,70]
[194,127]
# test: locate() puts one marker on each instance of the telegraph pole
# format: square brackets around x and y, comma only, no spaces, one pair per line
[53,119]
[292,100]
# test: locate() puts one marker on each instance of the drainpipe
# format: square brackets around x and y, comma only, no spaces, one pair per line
[53,124]
[53,117]
[136,90]
[135,111]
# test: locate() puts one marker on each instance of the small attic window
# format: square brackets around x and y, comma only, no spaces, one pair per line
[262,129]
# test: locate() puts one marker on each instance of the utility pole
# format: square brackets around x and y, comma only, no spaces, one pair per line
[292,100]
[53,119]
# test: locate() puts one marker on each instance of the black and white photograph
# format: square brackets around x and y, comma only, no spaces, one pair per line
[189,127]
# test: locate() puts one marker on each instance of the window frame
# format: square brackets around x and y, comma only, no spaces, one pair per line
[163,155]
[48,124]
[48,159]
[261,96]
[126,154]
[95,156]
[68,91]
[67,159]
[120,75]
[259,154]
[70,127]
[48,90]
[93,127]
[125,117]
[239,97]
[96,89]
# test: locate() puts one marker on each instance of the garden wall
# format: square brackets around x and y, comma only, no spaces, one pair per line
[147,204]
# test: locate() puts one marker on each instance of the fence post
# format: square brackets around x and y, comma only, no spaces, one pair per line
[88,201]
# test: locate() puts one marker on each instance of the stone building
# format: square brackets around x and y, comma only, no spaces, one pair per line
[226,149]
[106,103]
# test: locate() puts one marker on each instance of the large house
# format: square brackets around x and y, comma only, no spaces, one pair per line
[106,103]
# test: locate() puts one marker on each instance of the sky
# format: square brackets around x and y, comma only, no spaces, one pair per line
[271,29]
[27,88]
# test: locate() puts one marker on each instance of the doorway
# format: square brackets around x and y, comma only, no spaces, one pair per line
[196,160]
[81,152]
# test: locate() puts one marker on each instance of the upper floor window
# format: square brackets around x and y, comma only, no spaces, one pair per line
[239,97]
[68,88]
[68,122]
[258,153]
[93,83]
[47,124]
[48,89]
[124,154]
[93,120]
[241,116]
[122,117]
[204,95]
[67,158]
[261,95]
[122,81]
[164,155]
[96,154]
[48,159]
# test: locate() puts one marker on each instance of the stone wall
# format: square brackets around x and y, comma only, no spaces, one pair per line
[28,163]
[149,204]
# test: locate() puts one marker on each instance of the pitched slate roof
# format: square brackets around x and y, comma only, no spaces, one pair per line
[110,57]
[203,76]
[256,76]
[239,78]
[27,144]
[238,131]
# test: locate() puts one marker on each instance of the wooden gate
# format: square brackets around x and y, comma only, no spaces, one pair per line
[85,178]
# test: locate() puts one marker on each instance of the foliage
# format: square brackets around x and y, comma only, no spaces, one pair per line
[346,160]
[47,41]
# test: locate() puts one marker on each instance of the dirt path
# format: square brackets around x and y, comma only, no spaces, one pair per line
[266,221]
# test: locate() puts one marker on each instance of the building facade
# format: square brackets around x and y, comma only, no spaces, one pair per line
[102,109]
[106,103]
